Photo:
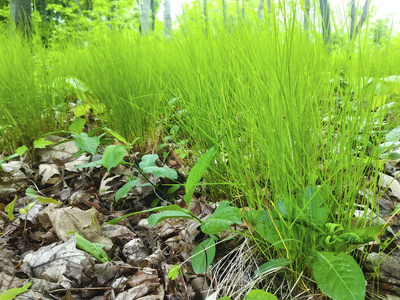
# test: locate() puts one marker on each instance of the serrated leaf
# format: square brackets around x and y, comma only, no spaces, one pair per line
[161,172]
[148,160]
[223,217]
[271,265]
[12,293]
[203,255]
[156,218]
[21,150]
[339,276]
[173,272]
[260,295]
[112,156]
[197,173]
[41,143]
[9,209]
[77,125]
[94,249]
[88,144]
[122,192]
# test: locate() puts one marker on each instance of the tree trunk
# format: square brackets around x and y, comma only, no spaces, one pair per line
[225,15]
[326,26]
[353,19]
[306,14]
[260,12]
[145,17]
[153,15]
[167,18]
[21,16]
[205,15]
[244,10]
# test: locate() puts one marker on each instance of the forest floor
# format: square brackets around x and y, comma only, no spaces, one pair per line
[37,245]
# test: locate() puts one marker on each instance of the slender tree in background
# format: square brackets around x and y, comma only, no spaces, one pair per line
[244,10]
[260,12]
[21,16]
[205,15]
[306,15]
[326,26]
[167,18]
[224,13]
[145,17]
[354,31]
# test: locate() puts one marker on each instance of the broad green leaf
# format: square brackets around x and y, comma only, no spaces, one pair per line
[313,201]
[12,293]
[9,209]
[260,295]
[385,147]
[112,156]
[362,235]
[81,109]
[122,192]
[173,272]
[390,155]
[393,135]
[41,143]
[32,193]
[116,135]
[197,173]
[88,144]
[272,230]
[203,255]
[161,172]
[271,265]
[156,218]
[173,188]
[91,164]
[174,130]
[223,217]
[45,200]
[94,249]
[148,160]
[339,276]
[21,150]
[224,298]
[173,207]
[27,208]
[77,125]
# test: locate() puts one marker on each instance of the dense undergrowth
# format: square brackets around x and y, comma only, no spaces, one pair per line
[286,112]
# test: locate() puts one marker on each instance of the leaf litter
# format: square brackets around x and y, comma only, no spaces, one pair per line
[44,247]
[41,247]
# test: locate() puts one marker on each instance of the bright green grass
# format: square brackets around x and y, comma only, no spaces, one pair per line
[260,94]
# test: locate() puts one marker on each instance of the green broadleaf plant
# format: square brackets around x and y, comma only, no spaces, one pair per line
[337,274]
[14,292]
[94,249]
[223,217]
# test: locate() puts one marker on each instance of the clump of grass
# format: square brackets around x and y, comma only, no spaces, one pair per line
[27,97]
